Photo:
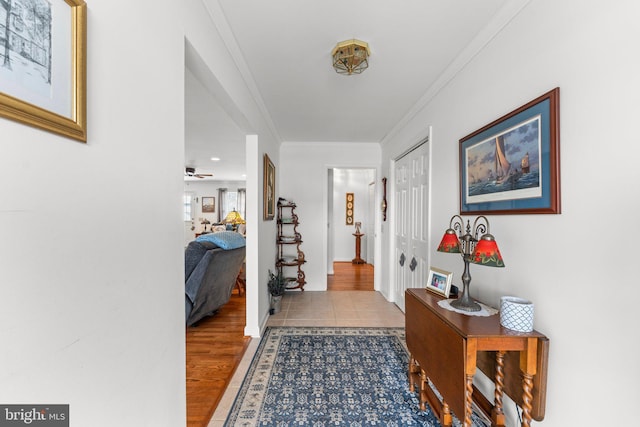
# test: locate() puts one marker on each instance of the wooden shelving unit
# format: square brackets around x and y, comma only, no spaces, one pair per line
[288,241]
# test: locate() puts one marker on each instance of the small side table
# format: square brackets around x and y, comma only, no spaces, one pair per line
[357,259]
[241,280]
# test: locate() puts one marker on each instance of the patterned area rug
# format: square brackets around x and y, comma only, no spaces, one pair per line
[319,376]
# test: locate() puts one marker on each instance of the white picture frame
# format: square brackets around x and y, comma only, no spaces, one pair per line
[439,281]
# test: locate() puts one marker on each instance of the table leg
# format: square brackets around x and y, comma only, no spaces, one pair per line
[424,383]
[528,363]
[497,415]
[469,401]
[470,370]
[414,374]
[241,280]
[447,418]
[527,398]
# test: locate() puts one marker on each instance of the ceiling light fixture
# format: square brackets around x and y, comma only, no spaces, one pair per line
[215,159]
[351,57]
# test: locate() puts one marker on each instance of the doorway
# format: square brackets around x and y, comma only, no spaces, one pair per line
[212,129]
[350,201]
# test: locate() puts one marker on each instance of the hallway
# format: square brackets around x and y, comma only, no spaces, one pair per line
[330,308]
[337,308]
[350,301]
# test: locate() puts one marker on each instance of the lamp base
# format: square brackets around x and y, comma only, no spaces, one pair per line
[465,304]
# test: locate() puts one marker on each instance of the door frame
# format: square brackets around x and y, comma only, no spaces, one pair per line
[376,215]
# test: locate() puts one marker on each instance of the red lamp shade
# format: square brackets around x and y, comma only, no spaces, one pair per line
[449,242]
[486,252]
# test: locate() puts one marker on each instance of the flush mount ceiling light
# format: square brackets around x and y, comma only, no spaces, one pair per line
[351,57]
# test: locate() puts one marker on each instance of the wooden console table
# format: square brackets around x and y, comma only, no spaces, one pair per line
[446,348]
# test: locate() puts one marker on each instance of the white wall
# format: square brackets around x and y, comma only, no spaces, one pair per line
[578,267]
[304,180]
[354,181]
[92,304]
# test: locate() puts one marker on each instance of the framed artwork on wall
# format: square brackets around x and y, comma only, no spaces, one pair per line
[43,65]
[349,209]
[512,165]
[208,204]
[383,205]
[269,189]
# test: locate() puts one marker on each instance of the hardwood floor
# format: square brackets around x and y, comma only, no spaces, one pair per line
[215,346]
[350,277]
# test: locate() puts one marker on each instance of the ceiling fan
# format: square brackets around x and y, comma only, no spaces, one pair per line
[191,172]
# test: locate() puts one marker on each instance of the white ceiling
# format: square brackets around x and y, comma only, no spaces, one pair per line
[285,46]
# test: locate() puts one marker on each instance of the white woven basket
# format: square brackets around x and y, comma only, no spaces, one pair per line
[516,314]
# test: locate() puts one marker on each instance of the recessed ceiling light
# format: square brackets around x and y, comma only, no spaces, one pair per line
[215,159]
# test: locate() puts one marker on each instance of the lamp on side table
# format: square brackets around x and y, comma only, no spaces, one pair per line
[483,251]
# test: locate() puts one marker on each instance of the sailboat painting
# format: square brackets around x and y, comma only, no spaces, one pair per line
[505,166]
[512,165]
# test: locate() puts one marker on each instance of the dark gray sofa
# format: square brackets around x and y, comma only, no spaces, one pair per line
[210,274]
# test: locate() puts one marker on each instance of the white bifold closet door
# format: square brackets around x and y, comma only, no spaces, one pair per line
[411,200]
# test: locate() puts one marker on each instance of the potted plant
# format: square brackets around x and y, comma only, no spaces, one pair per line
[276,287]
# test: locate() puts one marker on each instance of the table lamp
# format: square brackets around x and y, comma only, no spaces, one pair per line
[483,251]
[234,219]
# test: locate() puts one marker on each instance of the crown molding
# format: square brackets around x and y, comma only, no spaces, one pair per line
[219,20]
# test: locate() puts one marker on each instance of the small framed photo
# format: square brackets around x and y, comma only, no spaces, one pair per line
[439,281]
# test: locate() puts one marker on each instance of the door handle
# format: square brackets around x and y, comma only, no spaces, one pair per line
[402,258]
[413,264]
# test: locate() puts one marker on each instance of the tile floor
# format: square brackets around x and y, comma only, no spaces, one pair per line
[331,308]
